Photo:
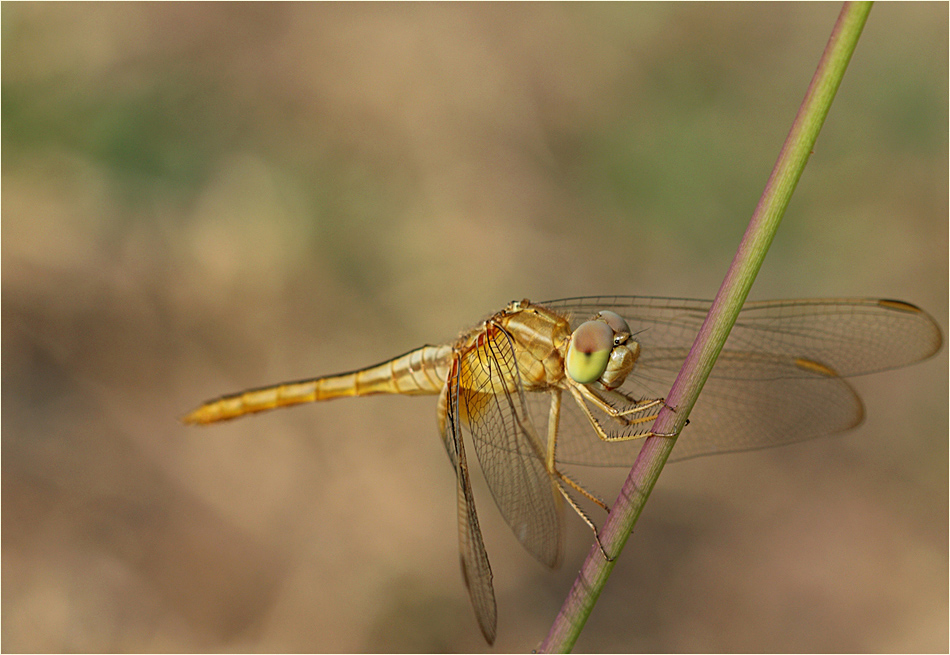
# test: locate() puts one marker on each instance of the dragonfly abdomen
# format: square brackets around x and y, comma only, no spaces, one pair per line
[420,371]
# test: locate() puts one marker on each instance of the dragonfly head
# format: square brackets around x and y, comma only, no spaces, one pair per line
[601,351]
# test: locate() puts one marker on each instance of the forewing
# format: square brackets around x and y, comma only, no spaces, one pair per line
[851,336]
[494,411]
[476,570]
[778,379]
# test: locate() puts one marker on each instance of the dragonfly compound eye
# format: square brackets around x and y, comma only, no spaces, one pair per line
[589,351]
[617,324]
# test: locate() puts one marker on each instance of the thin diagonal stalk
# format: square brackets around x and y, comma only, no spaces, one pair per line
[712,335]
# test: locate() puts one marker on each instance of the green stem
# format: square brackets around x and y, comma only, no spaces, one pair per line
[712,335]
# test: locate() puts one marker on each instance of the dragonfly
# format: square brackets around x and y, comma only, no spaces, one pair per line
[579,381]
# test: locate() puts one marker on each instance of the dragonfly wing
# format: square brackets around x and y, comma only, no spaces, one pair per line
[738,414]
[851,336]
[781,403]
[476,570]
[495,413]
[778,380]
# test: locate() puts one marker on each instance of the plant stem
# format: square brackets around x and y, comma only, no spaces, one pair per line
[712,335]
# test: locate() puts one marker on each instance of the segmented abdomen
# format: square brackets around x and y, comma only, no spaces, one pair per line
[420,371]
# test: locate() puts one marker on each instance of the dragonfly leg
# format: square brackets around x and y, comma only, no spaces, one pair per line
[561,480]
[554,418]
[637,406]
[640,405]
[563,477]
[583,395]
[616,410]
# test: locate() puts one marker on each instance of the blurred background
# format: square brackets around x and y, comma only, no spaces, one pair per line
[203,198]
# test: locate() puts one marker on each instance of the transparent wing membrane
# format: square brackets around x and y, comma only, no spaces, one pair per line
[476,570]
[852,336]
[777,381]
[509,450]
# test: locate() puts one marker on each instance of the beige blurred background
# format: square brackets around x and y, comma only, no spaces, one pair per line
[203,198]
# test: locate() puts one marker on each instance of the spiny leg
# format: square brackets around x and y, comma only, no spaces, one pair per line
[560,479]
[554,416]
[639,406]
[578,392]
